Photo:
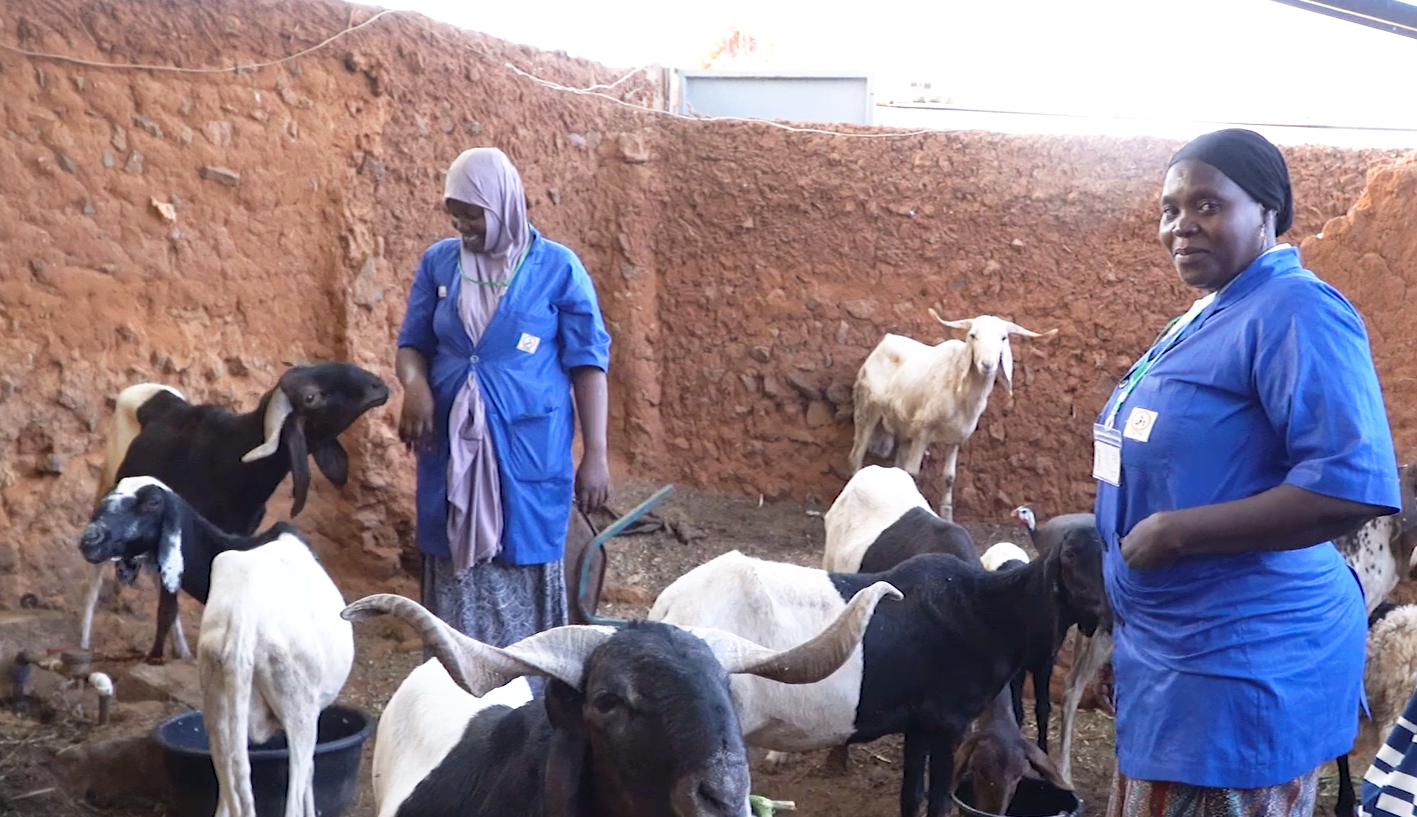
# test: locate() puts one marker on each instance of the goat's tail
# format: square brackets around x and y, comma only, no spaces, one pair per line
[125,428]
[226,666]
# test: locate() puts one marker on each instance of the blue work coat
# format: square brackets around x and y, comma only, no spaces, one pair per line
[547,323]
[1245,670]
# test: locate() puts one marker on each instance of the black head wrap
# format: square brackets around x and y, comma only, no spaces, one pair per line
[1253,163]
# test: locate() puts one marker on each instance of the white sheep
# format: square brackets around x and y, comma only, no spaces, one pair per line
[274,650]
[920,394]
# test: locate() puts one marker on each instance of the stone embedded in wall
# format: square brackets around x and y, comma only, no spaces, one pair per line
[221,175]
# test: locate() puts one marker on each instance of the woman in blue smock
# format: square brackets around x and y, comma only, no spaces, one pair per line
[502,325]
[1250,435]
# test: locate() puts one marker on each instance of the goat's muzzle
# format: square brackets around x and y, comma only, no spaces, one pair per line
[92,543]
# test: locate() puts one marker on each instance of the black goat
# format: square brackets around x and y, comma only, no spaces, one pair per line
[1075,536]
[227,465]
[634,723]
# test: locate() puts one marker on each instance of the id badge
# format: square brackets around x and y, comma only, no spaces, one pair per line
[1106,454]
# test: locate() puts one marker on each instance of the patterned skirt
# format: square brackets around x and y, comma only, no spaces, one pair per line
[1145,798]
[495,603]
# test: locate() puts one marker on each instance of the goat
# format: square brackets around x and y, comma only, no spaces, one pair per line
[1004,555]
[920,394]
[1075,532]
[880,520]
[928,666]
[227,465]
[874,501]
[635,722]
[273,651]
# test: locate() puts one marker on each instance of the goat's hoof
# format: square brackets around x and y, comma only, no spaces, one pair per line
[775,761]
[155,660]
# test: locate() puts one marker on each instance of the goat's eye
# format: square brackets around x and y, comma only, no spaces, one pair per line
[607,702]
[309,397]
[152,503]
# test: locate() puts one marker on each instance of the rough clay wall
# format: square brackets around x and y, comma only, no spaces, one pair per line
[784,257]
[744,271]
[302,251]
[1371,255]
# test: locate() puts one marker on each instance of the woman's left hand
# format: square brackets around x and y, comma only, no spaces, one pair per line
[1151,544]
[592,482]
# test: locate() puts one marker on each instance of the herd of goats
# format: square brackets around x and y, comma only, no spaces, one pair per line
[905,629]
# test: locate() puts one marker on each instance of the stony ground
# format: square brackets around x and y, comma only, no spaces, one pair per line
[640,566]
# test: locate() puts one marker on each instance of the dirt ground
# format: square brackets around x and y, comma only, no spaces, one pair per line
[641,565]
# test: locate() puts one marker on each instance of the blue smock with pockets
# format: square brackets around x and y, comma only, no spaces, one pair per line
[547,323]
[1246,670]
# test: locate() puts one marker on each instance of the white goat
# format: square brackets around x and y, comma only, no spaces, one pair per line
[272,654]
[921,394]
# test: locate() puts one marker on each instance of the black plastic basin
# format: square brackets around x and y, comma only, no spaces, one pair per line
[1033,798]
[191,778]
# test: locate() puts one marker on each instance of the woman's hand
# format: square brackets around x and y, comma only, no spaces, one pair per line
[416,418]
[592,482]
[1152,544]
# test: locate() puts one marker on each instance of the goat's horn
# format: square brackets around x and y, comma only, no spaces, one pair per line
[277,409]
[810,661]
[1015,329]
[480,668]
[960,324]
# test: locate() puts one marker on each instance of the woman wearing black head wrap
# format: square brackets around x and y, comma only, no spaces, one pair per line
[1250,435]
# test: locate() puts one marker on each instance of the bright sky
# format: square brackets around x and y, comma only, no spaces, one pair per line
[1252,61]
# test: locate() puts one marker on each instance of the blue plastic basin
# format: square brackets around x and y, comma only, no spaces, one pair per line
[191,777]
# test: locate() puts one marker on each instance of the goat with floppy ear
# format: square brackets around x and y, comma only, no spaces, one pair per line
[638,722]
[227,465]
[909,394]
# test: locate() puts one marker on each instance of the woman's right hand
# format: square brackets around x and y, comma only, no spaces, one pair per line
[416,419]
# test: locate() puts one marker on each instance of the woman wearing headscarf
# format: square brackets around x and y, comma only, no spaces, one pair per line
[1250,435]
[501,326]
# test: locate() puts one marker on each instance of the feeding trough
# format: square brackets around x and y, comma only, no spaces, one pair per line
[1033,798]
[191,777]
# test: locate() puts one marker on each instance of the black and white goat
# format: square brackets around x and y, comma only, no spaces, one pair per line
[882,508]
[928,666]
[227,465]
[880,519]
[274,650]
[636,722]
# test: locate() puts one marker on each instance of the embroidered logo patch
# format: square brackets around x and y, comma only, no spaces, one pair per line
[1139,424]
[528,343]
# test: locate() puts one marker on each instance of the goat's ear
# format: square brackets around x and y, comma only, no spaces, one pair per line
[1042,765]
[299,464]
[1006,368]
[169,548]
[565,762]
[333,461]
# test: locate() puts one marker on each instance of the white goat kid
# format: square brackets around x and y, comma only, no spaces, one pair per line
[920,394]
[273,653]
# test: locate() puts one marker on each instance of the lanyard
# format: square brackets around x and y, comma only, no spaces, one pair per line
[1169,338]
[518,268]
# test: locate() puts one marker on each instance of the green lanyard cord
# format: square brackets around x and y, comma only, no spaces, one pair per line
[500,284]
